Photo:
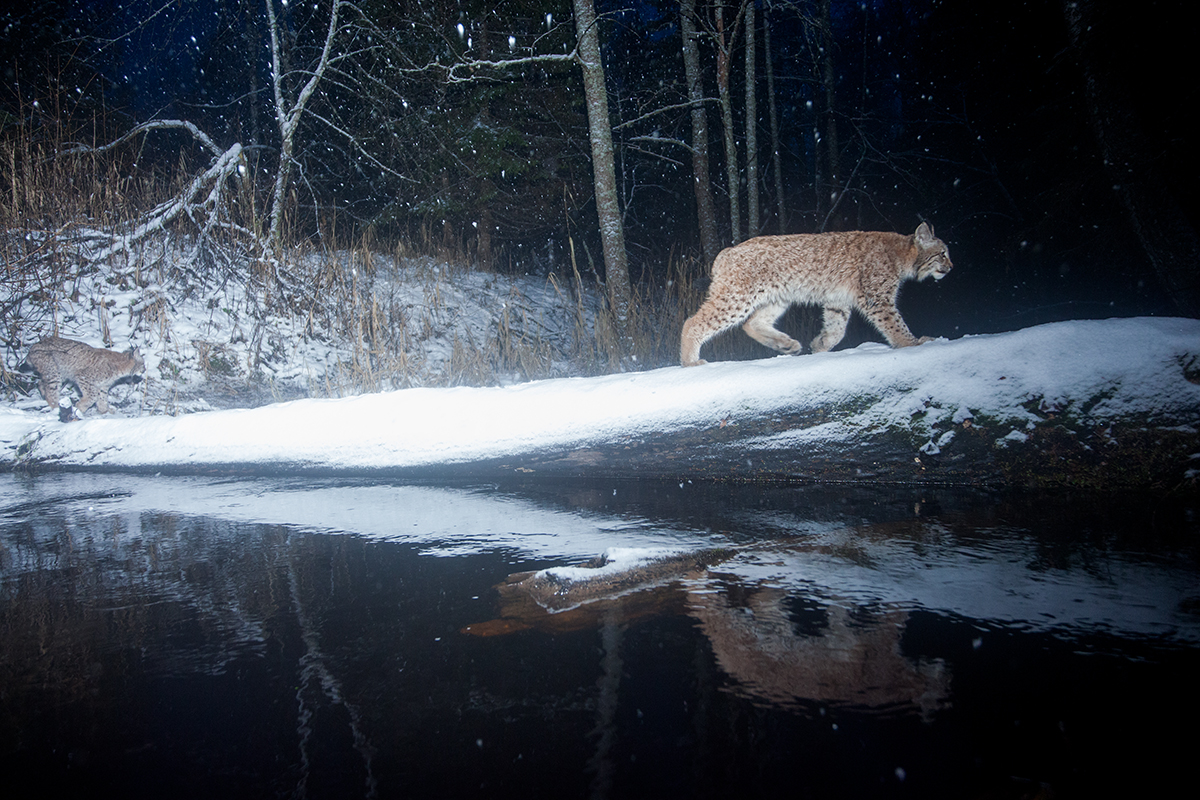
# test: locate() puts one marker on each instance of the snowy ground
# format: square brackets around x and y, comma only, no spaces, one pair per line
[211,342]
[1116,370]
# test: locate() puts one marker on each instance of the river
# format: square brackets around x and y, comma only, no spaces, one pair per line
[210,637]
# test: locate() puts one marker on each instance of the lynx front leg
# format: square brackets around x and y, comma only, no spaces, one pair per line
[690,342]
[761,328]
[887,320]
[50,391]
[97,395]
[833,328]
[88,396]
[718,314]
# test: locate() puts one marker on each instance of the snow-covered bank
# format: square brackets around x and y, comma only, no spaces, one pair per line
[400,322]
[1000,386]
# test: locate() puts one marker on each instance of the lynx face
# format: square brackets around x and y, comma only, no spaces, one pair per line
[934,261]
[754,282]
[93,370]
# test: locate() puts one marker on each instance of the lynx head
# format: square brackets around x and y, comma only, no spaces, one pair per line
[933,258]
[137,365]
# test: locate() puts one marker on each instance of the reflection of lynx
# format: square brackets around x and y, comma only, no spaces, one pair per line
[854,657]
[754,282]
[93,370]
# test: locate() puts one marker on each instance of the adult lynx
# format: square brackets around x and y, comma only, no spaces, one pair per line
[93,370]
[754,282]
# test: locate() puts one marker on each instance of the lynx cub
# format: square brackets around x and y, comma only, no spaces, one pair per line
[754,282]
[93,370]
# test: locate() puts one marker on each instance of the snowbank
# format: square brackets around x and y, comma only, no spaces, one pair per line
[219,341]
[1092,371]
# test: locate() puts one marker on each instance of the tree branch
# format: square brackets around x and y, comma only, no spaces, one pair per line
[153,125]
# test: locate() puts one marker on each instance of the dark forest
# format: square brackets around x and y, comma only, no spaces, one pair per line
[1045,140]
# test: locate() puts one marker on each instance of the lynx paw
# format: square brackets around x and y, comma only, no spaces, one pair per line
[786,345]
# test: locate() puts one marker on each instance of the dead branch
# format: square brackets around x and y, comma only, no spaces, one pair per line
[185,202]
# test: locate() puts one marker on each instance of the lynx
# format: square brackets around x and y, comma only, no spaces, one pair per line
[93,370]
[754,282]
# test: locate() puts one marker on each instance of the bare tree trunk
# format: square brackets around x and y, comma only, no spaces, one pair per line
[724,46]
[752,222]
[252,34]
[288,112]
[776,158]
[1166,234]
[829,136]
[484,186]
[608,210]
[702,182]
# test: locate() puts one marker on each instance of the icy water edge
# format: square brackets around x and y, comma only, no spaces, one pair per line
[197,637]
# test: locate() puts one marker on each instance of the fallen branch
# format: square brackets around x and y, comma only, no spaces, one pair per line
[153,125]
[185,202]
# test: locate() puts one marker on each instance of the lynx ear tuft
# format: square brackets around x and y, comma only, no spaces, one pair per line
[924,234]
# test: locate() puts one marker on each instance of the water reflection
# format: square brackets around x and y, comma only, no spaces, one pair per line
[309,638]
[775,645]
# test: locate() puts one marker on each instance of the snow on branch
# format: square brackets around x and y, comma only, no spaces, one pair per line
[186,202]
[454,73]
[153,125]
[466,70]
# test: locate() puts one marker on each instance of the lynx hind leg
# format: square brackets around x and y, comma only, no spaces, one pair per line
[695,334]
[833,328]
[761,328]
[716,315]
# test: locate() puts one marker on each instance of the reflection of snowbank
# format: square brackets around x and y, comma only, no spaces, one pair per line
[81,576]
[994,576]
[442,521]
[1093,370]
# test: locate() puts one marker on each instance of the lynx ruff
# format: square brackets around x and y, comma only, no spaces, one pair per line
[754,282]
[93,370]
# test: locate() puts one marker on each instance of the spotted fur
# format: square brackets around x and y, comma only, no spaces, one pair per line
[92,369]
[754,282]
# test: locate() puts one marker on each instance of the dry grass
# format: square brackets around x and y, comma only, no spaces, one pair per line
[49,202]
[61,196]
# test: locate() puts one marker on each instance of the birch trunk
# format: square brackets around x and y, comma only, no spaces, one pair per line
[289,112]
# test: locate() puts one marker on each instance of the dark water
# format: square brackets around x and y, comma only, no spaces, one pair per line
[282,638]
